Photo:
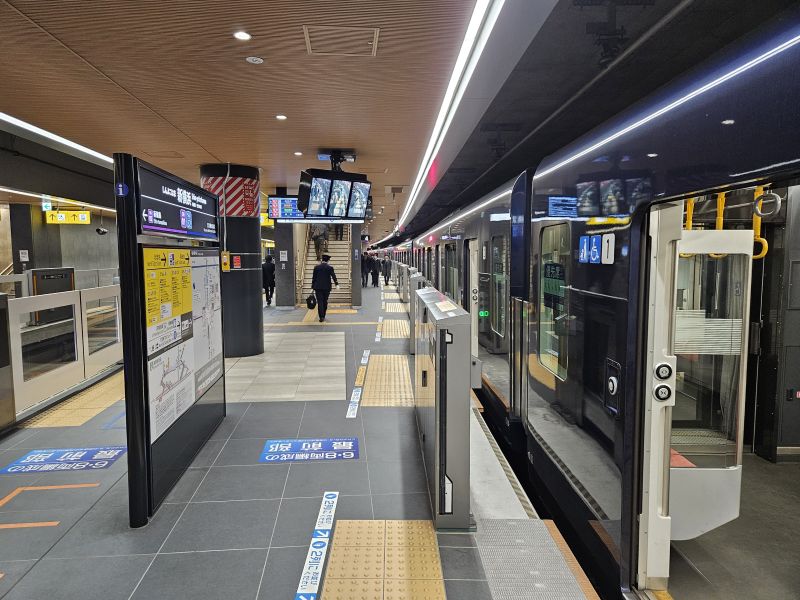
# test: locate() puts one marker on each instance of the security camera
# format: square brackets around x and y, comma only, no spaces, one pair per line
[101,231]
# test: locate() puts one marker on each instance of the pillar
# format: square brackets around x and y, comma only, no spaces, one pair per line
[240,233]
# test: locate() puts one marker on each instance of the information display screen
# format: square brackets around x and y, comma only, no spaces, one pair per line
[612,197]
[588,201]
[358,200]
[169,208]
[284,208]
[340,195]
[318,198]
[183,319]
[562,206]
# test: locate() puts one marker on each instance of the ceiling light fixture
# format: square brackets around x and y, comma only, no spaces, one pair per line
[504,194]
[53,137]
[484,16]
[652,155]
[298,153]
[728,122]
[255,60]
[281,117]
[243,36]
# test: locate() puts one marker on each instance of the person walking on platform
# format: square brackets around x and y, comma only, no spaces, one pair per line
[319,233]
[375,267]
[338,231]
[386,267]
[364,269]
[268,272]
[321,284]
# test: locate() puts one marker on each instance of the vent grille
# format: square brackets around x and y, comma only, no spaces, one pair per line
[334,40]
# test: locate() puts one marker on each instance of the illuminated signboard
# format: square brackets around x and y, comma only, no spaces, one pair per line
[68,217]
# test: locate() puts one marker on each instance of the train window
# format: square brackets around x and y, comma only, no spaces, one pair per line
[553,309]
[499,284]
[450,271]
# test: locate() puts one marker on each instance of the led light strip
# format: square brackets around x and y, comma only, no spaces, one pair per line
[52,136]
[504,194]
[57,199]
[484,16]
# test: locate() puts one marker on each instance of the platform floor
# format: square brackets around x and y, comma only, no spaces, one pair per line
[235,527]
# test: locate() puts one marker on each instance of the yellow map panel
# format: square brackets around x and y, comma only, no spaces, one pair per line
[167,284]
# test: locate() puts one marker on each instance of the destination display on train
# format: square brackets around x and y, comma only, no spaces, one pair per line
[167,208]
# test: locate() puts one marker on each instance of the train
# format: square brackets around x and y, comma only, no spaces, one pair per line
[610,290]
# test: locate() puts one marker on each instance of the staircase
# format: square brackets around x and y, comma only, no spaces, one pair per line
[341,263]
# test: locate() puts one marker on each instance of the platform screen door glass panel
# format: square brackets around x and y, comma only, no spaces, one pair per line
[102,323]
[499,284]
[553,300]
[48,340]
[708,344]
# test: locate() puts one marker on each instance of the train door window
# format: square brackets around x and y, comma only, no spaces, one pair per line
[450,271]
[553,300]
[499,283]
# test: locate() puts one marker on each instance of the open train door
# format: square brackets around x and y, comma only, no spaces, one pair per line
[692,397]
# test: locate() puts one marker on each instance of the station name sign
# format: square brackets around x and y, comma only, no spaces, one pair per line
[169,208]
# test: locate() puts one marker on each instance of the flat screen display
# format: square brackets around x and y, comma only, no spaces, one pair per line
[358,200]
[340,194]
[318,197]
[588,201]
[638,191]
[562,206]
[284,208]
[612,197]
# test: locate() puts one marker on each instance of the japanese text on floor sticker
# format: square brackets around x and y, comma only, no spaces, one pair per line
[318,548]
[352,408]
[65,459]
[365,357]
[310,449]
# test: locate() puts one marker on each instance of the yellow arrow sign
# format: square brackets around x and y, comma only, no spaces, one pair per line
[68,217]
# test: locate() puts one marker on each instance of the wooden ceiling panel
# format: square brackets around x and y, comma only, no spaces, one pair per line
[168,79]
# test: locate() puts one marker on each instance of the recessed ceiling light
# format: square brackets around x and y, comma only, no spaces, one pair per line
[652,155]
[728,122]
[298,153]
[242,35]
[281,117]
[254,60]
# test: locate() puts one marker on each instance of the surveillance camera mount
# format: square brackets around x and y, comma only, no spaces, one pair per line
[337,156]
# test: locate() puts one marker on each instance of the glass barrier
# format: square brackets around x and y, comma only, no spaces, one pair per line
[102,323]
[92,278]
[48,340]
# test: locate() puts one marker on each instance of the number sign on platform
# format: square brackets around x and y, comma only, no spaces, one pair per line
[65,459]
[310,449]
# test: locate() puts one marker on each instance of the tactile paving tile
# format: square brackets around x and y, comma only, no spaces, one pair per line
[388,382]
[513,532]
[410,533]
[83,406]
[391,296]
[360,533]
[360,375]
[410,589]
[353,589]
[514,590]
[413,562]
[395,307]
[395,328]
[355,562]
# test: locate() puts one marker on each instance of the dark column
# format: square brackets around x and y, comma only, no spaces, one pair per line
[355,271]
[30,232]
[240,233]
[284,269]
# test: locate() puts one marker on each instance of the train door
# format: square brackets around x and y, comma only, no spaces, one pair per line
[471,293]
[693,391]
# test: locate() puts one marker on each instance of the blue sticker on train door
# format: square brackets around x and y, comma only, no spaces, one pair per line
[595,245]
[583,249]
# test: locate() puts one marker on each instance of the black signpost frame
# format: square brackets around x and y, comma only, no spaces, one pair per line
[153,469]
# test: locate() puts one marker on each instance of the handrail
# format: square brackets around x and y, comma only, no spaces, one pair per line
[9,268]
[689,217]
[300,267]
[720,219]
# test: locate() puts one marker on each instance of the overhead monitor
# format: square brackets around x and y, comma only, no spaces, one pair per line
[318,197]
[358,200]
[284,208]
[588,201]
[340,195]
[612,197]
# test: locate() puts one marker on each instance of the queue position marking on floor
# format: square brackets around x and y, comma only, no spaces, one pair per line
[65,459]
[379,330]
[355,396]
[311,575]
[293,450]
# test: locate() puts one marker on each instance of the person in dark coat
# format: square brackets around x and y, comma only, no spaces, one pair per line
[375,268]
[364,269]
[321,284]
[386,267]
[268,272]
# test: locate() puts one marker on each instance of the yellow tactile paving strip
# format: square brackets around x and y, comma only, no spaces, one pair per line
[384,560]
[391,296]
[83,406]
[394,307]
[395,328]
[312,315]
[388,382]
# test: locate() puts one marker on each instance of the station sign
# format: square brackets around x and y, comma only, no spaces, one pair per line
[68,217]
[266,221]
[169,208]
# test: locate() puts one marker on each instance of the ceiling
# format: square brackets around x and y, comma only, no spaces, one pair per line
[559,89]
[168,82]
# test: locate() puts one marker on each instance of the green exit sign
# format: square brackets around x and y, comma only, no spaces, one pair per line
[483,313]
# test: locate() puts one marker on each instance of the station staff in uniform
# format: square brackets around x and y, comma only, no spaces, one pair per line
[321,284]
[268,272]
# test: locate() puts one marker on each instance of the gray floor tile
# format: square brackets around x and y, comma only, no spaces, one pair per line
[298,516]
[467,590]
[332,426]
[241,452]
[34,542]
[53,500]
[404,476]
[187,485]
[266,427]
[18,438]
[402,506]
[461,563]
[105,531]
[12,573]
[346,477]
[109,578]
[456,540]
[388,447]
[276,411]
[208,453]
[282,574]
[203,576]
[261,482]
[224,525]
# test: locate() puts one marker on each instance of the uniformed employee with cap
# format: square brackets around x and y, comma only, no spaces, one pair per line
[321,284]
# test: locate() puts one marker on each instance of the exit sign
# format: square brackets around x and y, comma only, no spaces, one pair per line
[68,217]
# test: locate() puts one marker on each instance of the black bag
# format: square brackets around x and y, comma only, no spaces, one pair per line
[311,301]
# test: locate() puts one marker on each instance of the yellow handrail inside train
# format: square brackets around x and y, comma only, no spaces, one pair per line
[758,199]
[720,221]
[689,216]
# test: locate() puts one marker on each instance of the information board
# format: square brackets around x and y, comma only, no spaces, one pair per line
[284,208]
[167,207]
[183,317]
